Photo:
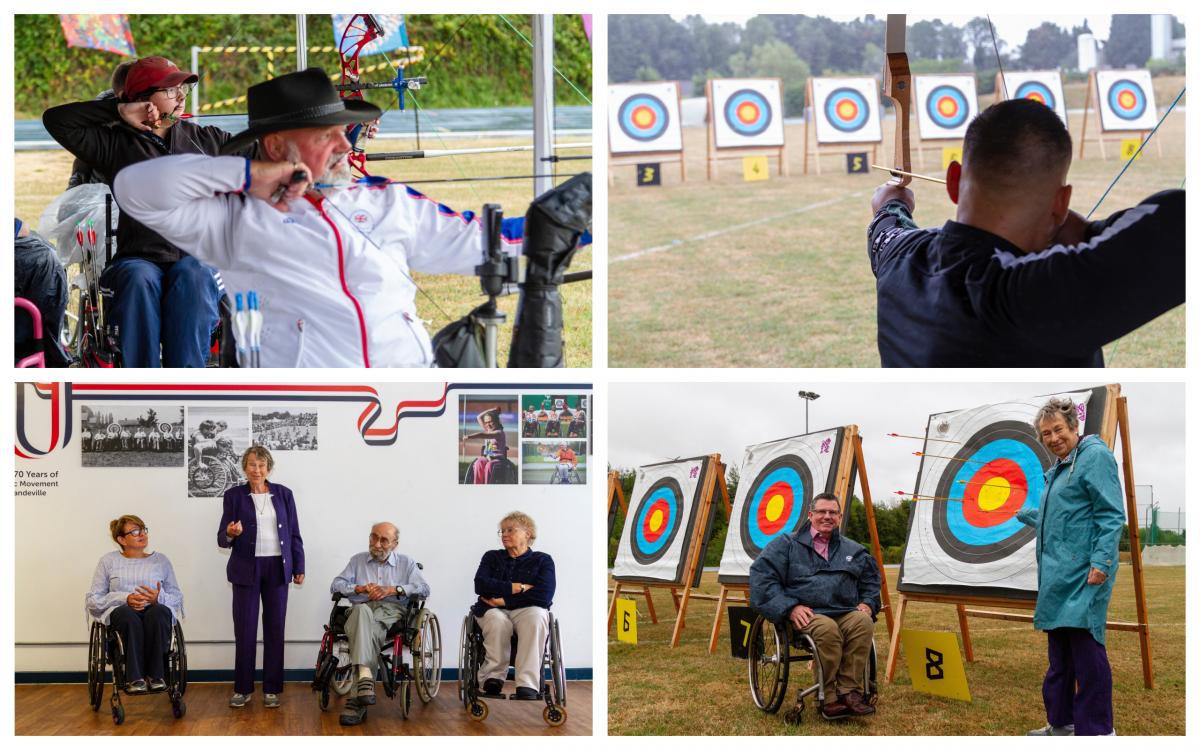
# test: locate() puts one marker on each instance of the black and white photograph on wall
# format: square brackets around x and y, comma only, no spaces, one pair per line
[284,430]
[554,461]
[217,438]
[131,435]
[487,426]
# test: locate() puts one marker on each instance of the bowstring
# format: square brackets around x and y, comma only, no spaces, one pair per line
[1137,153]
[996,48]
[556,70]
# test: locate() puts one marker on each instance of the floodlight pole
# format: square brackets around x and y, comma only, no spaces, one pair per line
[543,102]
[807,396]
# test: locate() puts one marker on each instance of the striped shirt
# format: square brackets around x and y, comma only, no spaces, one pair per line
[117,577]
[397,570]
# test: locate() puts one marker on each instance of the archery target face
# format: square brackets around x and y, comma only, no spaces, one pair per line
[981,467]
[776,486]
[945,105]
[747,112]
[644,117]
[1126,100]
[1043,86]
[661,521]
[846,110]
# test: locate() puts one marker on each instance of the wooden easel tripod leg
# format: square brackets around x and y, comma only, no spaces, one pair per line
[894,639]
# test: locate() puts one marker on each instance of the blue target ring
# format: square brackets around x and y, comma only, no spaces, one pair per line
[747,112]
[643,117]
[1126,99]
[656,521]
[947,107]
[776,502]
[847,110]
[1013,448]
[1037,91]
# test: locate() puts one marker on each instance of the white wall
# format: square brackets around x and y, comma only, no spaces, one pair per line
[340,490]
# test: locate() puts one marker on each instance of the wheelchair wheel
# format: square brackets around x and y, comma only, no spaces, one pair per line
[96,666]
[405,693]
[768,663]
[464,661]
[177,663]
[477,710]
[343,673]
[178,708]
[555,716]
[118,711]
[427,657]
[323,698]
[208,477]
[558,670]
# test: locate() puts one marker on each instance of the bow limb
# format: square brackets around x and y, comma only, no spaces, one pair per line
[897,86]
[361,30]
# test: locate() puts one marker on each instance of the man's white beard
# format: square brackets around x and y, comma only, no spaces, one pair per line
[378,558]
[337,172]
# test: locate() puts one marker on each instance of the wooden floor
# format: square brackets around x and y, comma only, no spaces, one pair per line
[64,710]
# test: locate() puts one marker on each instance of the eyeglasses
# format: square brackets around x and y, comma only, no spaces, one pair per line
[136,532]
[380,539]
[177,92]
[510,531]
[826,512]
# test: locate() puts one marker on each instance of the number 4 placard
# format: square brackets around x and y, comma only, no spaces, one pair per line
[627,620]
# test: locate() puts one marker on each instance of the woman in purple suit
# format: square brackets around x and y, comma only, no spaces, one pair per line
[260,524]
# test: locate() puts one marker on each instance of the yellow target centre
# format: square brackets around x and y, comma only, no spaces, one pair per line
[643,117]
[948,107]
[994,493]
[656,520]
[774,507]
[747,112]
[847,110]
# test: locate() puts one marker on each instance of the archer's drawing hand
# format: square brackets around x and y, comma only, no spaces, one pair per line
[372,129]
[885,193]
[140,115]
[272,181]
[1074,230]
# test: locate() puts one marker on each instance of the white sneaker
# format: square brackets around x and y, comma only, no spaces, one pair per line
[239,700]
[1067,730]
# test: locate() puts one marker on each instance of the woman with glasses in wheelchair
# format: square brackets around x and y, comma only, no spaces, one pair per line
[135,592]
[515,587]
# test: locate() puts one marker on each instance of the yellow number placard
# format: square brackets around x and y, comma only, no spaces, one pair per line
[755,168]
[1129,147]
[627,620]
[935,663]
[949,154]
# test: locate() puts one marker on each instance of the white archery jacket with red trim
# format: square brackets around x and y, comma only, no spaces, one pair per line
[350,285]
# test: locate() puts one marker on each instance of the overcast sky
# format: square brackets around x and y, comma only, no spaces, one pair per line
[656,422]
[1010,29]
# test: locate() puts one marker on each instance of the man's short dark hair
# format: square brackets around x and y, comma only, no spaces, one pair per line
[1015,139]
[825,496]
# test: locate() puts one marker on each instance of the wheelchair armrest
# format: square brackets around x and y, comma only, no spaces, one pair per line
[337,597]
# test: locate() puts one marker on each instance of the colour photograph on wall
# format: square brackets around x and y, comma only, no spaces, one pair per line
[487,426]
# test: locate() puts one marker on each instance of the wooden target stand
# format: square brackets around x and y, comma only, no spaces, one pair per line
[1093,87]
[644,157]
[716,155]
[815,149]
[713,483]
[850,465]
[1116,418]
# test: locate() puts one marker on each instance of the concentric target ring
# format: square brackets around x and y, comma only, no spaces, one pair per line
[947,106]
[643,117]
[1127,99]
[1038,92]
[776,502]
[656,521]
[747,112]
[1000,470]
[847,110]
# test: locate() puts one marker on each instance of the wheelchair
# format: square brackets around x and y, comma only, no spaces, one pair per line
[105,647]
[770,657]
[417,630]
[554,672]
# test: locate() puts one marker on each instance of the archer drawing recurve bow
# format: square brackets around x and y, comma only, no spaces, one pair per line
[897,86]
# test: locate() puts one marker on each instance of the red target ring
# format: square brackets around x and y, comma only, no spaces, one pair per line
[656,521]
[775,508]
[995,493]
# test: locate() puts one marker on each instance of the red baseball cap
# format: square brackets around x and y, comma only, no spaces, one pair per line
[154,73]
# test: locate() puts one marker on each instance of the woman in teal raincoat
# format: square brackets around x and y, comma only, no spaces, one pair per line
[1078,526]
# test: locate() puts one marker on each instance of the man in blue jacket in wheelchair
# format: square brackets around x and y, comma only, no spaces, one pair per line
[828,587]
[379,582]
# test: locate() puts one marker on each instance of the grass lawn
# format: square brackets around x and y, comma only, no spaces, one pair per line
[654,689]
[43,176]
[775,273]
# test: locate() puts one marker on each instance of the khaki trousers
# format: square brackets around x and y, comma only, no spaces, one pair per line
[366,624]
[531,625]
[843,648]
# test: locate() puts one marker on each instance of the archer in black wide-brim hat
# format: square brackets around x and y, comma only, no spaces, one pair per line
[305,99]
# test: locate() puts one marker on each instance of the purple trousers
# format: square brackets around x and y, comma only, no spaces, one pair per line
[270,585]
[1078,685]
